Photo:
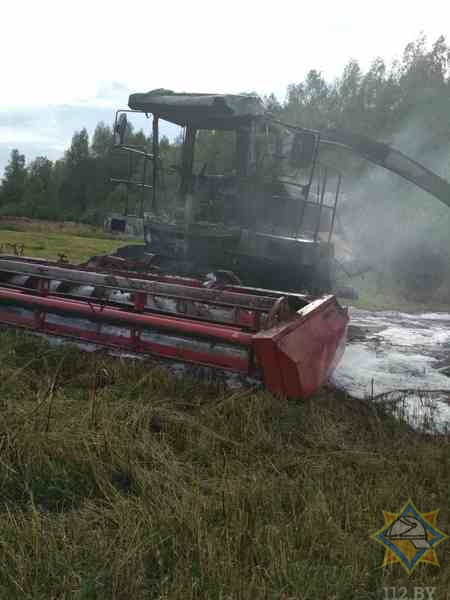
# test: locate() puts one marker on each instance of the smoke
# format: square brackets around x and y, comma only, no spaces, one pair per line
[394,227]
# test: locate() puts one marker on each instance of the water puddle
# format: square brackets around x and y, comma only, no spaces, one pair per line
[403,359]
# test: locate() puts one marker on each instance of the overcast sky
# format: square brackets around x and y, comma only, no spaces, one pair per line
[69,63]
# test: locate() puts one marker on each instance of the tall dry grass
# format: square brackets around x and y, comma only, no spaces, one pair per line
[119,481]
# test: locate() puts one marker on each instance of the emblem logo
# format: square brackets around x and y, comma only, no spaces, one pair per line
[409,537]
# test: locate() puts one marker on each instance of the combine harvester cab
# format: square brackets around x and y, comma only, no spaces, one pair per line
[289,342]
[242,192]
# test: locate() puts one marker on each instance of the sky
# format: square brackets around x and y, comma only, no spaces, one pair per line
[69,64]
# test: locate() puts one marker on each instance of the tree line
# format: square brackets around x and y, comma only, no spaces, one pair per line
[406,102]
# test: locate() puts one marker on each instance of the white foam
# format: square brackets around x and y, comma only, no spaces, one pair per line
[401,351]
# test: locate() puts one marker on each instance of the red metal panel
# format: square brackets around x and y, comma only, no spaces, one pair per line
[222,361]
[306,349]
[94,310]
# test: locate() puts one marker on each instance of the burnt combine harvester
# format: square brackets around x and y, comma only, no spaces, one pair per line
[203,287]
[268,218]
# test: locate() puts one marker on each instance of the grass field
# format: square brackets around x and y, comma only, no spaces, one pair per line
[381,291]
[49,241]
[118,480]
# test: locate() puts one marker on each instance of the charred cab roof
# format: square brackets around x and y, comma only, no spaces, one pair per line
[202,111]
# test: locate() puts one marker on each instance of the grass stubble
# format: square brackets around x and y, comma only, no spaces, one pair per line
[118,480]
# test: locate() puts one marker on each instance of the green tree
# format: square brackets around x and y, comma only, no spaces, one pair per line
[37,195]
[14,180]
[78,175]
[101,141]
[309,102]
